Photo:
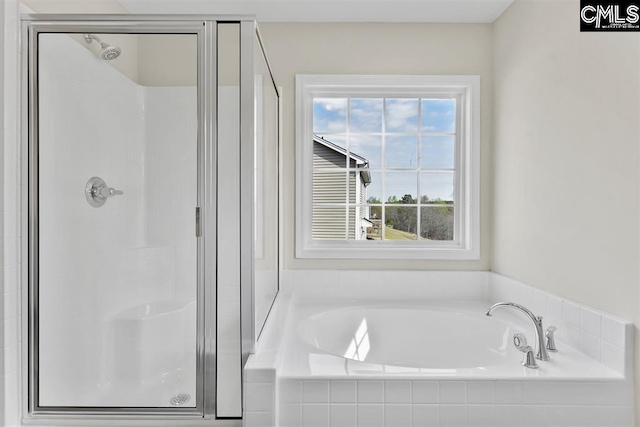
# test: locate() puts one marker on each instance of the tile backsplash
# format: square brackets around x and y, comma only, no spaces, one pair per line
[603,337]
[374,285]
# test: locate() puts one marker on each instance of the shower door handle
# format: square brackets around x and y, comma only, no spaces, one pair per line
[198,225]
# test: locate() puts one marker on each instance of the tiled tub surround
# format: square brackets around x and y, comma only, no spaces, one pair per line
[403,402]
[279,393]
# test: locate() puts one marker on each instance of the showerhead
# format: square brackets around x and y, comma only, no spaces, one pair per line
[107,52]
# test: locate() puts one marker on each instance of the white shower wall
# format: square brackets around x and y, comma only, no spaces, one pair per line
[171,180]
[137,248]
[89,126]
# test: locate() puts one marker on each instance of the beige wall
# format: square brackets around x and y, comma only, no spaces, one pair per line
[167,60]
[378,49]
[566,157]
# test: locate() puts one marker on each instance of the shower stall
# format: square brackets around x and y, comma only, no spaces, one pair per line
[151,157]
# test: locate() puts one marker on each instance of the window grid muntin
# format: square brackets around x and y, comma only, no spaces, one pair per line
[420,136]
[347,193]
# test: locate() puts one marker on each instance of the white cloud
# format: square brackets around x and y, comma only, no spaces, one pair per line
[366,115]
[330,115]
[402,115]
[331,104]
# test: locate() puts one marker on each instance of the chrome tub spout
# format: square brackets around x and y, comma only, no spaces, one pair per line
[540,349]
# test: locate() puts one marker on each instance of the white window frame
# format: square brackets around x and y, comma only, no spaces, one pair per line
[466,244]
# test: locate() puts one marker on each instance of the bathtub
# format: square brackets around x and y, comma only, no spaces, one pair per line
[425,363]
[427,340]
[401,338]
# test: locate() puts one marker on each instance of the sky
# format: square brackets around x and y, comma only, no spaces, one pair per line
[402,123]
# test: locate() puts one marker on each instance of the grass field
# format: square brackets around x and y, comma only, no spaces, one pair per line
[393,234]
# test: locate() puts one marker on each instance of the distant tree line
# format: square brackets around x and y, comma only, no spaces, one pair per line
[436,222]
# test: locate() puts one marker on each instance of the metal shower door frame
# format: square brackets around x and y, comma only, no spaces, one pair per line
[205,29]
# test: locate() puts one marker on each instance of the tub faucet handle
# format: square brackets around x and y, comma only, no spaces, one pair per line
[551,340]
[529,360]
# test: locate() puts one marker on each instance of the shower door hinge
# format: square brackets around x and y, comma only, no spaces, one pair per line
[198,227]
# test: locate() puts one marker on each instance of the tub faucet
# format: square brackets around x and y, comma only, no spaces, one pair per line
[541,349]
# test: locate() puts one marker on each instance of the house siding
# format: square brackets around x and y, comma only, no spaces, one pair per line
[330,186]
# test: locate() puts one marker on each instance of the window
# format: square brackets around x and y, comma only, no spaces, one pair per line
[387,167]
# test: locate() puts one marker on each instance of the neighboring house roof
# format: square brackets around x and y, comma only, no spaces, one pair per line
[360,161]
[367,222]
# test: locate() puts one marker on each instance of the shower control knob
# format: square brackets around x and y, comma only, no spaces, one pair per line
[97,192]
[109,192]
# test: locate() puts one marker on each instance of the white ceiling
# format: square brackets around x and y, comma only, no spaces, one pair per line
[449,11]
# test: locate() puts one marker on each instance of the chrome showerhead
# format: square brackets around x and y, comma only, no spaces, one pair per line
[107,52]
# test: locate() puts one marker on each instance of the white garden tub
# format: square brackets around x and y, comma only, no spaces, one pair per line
[411,337]
[435,340]
[433,364]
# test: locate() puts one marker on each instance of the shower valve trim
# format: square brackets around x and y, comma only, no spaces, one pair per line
[97,191]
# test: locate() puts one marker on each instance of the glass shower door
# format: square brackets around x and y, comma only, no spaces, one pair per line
[117,190]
